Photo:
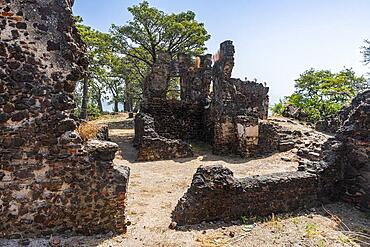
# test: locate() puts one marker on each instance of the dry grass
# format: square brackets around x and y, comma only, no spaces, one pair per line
[216,239]
[88,131]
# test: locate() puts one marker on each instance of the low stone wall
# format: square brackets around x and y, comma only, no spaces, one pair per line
[215,194]
[82,193]
[332,170]
[248,136]
[152,146]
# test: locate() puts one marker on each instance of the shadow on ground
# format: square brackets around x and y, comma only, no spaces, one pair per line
[350,220]
[202,151]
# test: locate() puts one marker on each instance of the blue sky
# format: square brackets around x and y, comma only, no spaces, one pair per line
[275,40]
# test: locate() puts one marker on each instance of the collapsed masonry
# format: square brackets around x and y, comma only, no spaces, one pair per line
[50,181]
[339,170]
[214,108]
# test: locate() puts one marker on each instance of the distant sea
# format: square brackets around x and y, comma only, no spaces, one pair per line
[109,107]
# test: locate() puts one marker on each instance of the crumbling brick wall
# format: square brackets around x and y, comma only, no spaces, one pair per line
[49,180]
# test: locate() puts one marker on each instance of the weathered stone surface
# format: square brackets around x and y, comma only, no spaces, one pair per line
[333,123]
[101,150]
[50,182]
[355,152]
[343,162]
[215,194]
[103,133]
[338,168]
[156,83]
[153,146]
[292,111]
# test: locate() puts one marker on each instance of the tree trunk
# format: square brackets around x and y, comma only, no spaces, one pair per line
[85,98]
[100,104]
[130,104]
[125,106]
[115,105]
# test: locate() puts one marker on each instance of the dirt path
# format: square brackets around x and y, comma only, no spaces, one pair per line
[155,188]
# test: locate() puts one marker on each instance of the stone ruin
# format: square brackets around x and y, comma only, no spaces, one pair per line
[50,181]
[214,108]
[53,182]
[341,171]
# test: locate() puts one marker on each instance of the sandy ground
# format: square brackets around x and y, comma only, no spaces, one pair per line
[155,188]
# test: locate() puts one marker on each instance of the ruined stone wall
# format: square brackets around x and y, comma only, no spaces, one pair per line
[176,119]
[237,97]
[215,194]
[234,96]
[354,154]
[227,118]
[337,169]
[153,146]
[195,79]
[236,108]
[49,180]
[236,135]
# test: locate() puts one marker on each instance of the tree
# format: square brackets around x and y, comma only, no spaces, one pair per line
[99,52]
[152,31]
[320,93]
[279,107]
[128,75]
[366,52]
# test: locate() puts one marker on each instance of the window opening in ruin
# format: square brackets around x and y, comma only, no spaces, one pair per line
[174,89]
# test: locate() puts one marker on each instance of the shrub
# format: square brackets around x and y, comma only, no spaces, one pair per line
[88,131]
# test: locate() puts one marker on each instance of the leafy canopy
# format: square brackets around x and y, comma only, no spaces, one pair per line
[321,93]
[152,31]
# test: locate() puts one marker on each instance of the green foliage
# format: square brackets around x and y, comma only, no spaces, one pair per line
[152,31]
[366,52]
[121,59]
[173,91]
[99,53]
[278,108]
[321,93]
[93,111]
[312,230]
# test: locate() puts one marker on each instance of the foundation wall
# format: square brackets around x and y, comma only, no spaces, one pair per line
[216,195]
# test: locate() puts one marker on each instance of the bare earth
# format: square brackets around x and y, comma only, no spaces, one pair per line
[155,188]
